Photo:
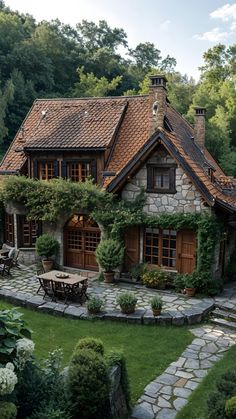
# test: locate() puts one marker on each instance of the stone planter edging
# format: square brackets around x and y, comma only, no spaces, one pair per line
[140,316]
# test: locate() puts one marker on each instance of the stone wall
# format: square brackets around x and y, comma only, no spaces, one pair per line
[118,406]
[186,199]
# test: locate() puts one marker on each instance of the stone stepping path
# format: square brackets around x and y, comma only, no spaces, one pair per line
[169,392]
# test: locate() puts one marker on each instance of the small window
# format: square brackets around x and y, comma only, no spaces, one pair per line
[78,172]
[28,231]
[9,229]
[161,179]
[46,170]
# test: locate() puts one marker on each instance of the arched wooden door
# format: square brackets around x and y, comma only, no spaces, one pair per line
[81,237]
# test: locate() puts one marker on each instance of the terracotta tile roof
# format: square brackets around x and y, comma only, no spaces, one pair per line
[93,123]
[65,124]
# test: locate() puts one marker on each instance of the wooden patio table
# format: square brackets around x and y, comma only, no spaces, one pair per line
[70,284]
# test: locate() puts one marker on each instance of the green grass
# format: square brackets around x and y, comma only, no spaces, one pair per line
[197,405]
[148,349]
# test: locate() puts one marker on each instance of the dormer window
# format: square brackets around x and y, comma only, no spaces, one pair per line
[161,179]
[78,172]
[46,170]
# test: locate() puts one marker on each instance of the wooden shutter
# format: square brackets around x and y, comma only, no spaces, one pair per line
[35,169]
[55,168]
[186,251]
[131,247]
[94,170]
[63,169]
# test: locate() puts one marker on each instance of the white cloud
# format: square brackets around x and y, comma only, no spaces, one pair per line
[225,13]
[164,26]
[215,35]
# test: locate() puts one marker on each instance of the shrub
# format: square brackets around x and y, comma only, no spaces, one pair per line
[179,282]
[13,328]
[156,302]
[156,278]
[109,254]
[49,411]
[230,408]
[94,304]
[225,389]
[87,385]
[90,343]
[46,246]
[40,386]
[138,270]
[7,410]
[126,299]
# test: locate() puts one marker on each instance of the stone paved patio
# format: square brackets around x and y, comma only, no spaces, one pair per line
[177,310]
[168,393]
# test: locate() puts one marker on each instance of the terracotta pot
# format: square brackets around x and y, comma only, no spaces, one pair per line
[94,311]
[47,264]
[109,276]
[127,309]
[190,292]
[156,311]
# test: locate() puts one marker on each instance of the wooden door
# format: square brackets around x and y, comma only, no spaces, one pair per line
[132,237]
[186,248]
[81,237]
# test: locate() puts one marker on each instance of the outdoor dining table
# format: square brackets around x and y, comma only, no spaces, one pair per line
[67,283]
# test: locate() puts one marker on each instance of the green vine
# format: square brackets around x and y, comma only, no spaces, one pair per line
[46,201]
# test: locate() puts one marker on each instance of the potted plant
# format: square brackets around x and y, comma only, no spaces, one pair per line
[155,278]
[190,287]
[156,305]
[109,255]
[46,247]
[94,305]
[127,302]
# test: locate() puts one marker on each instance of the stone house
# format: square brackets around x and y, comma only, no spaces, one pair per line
[126,144]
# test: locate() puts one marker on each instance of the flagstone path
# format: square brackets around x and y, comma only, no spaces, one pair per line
[169,392]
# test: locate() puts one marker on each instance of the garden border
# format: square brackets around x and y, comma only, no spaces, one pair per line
[141,316]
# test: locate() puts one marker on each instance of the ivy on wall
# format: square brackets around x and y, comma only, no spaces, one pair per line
[47,201]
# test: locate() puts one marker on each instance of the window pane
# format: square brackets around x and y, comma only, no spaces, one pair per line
[151,246]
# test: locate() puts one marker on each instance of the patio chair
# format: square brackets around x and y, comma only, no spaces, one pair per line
[39,272]
[47,286]
[5,266]
[79,292]
[15,257]
[61,291]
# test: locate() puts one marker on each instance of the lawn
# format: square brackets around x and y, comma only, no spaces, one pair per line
[148,349]
[197,405]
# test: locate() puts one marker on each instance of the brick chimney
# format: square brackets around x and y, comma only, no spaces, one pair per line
[157,102]
[199,126]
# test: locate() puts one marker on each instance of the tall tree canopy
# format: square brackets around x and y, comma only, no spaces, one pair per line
[51,59]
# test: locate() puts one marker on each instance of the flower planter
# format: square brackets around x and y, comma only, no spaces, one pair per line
[47,264]
[190,292]
[109,277]
[127,309]
[156,312]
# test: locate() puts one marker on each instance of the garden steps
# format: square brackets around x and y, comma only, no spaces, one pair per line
[224,323]
[224,315]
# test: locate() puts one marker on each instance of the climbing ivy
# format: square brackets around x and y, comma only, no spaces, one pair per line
[46,201]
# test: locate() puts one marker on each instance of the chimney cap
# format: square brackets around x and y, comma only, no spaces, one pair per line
[200,110]
[158,80]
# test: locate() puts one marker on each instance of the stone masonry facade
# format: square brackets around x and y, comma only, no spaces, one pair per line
[186,199]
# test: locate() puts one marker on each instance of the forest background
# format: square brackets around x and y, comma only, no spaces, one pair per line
[51,59]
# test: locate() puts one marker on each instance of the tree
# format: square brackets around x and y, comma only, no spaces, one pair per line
[6,96]
[90,85]
[145,55]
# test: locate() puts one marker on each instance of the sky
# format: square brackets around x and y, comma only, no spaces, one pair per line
[184,29]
